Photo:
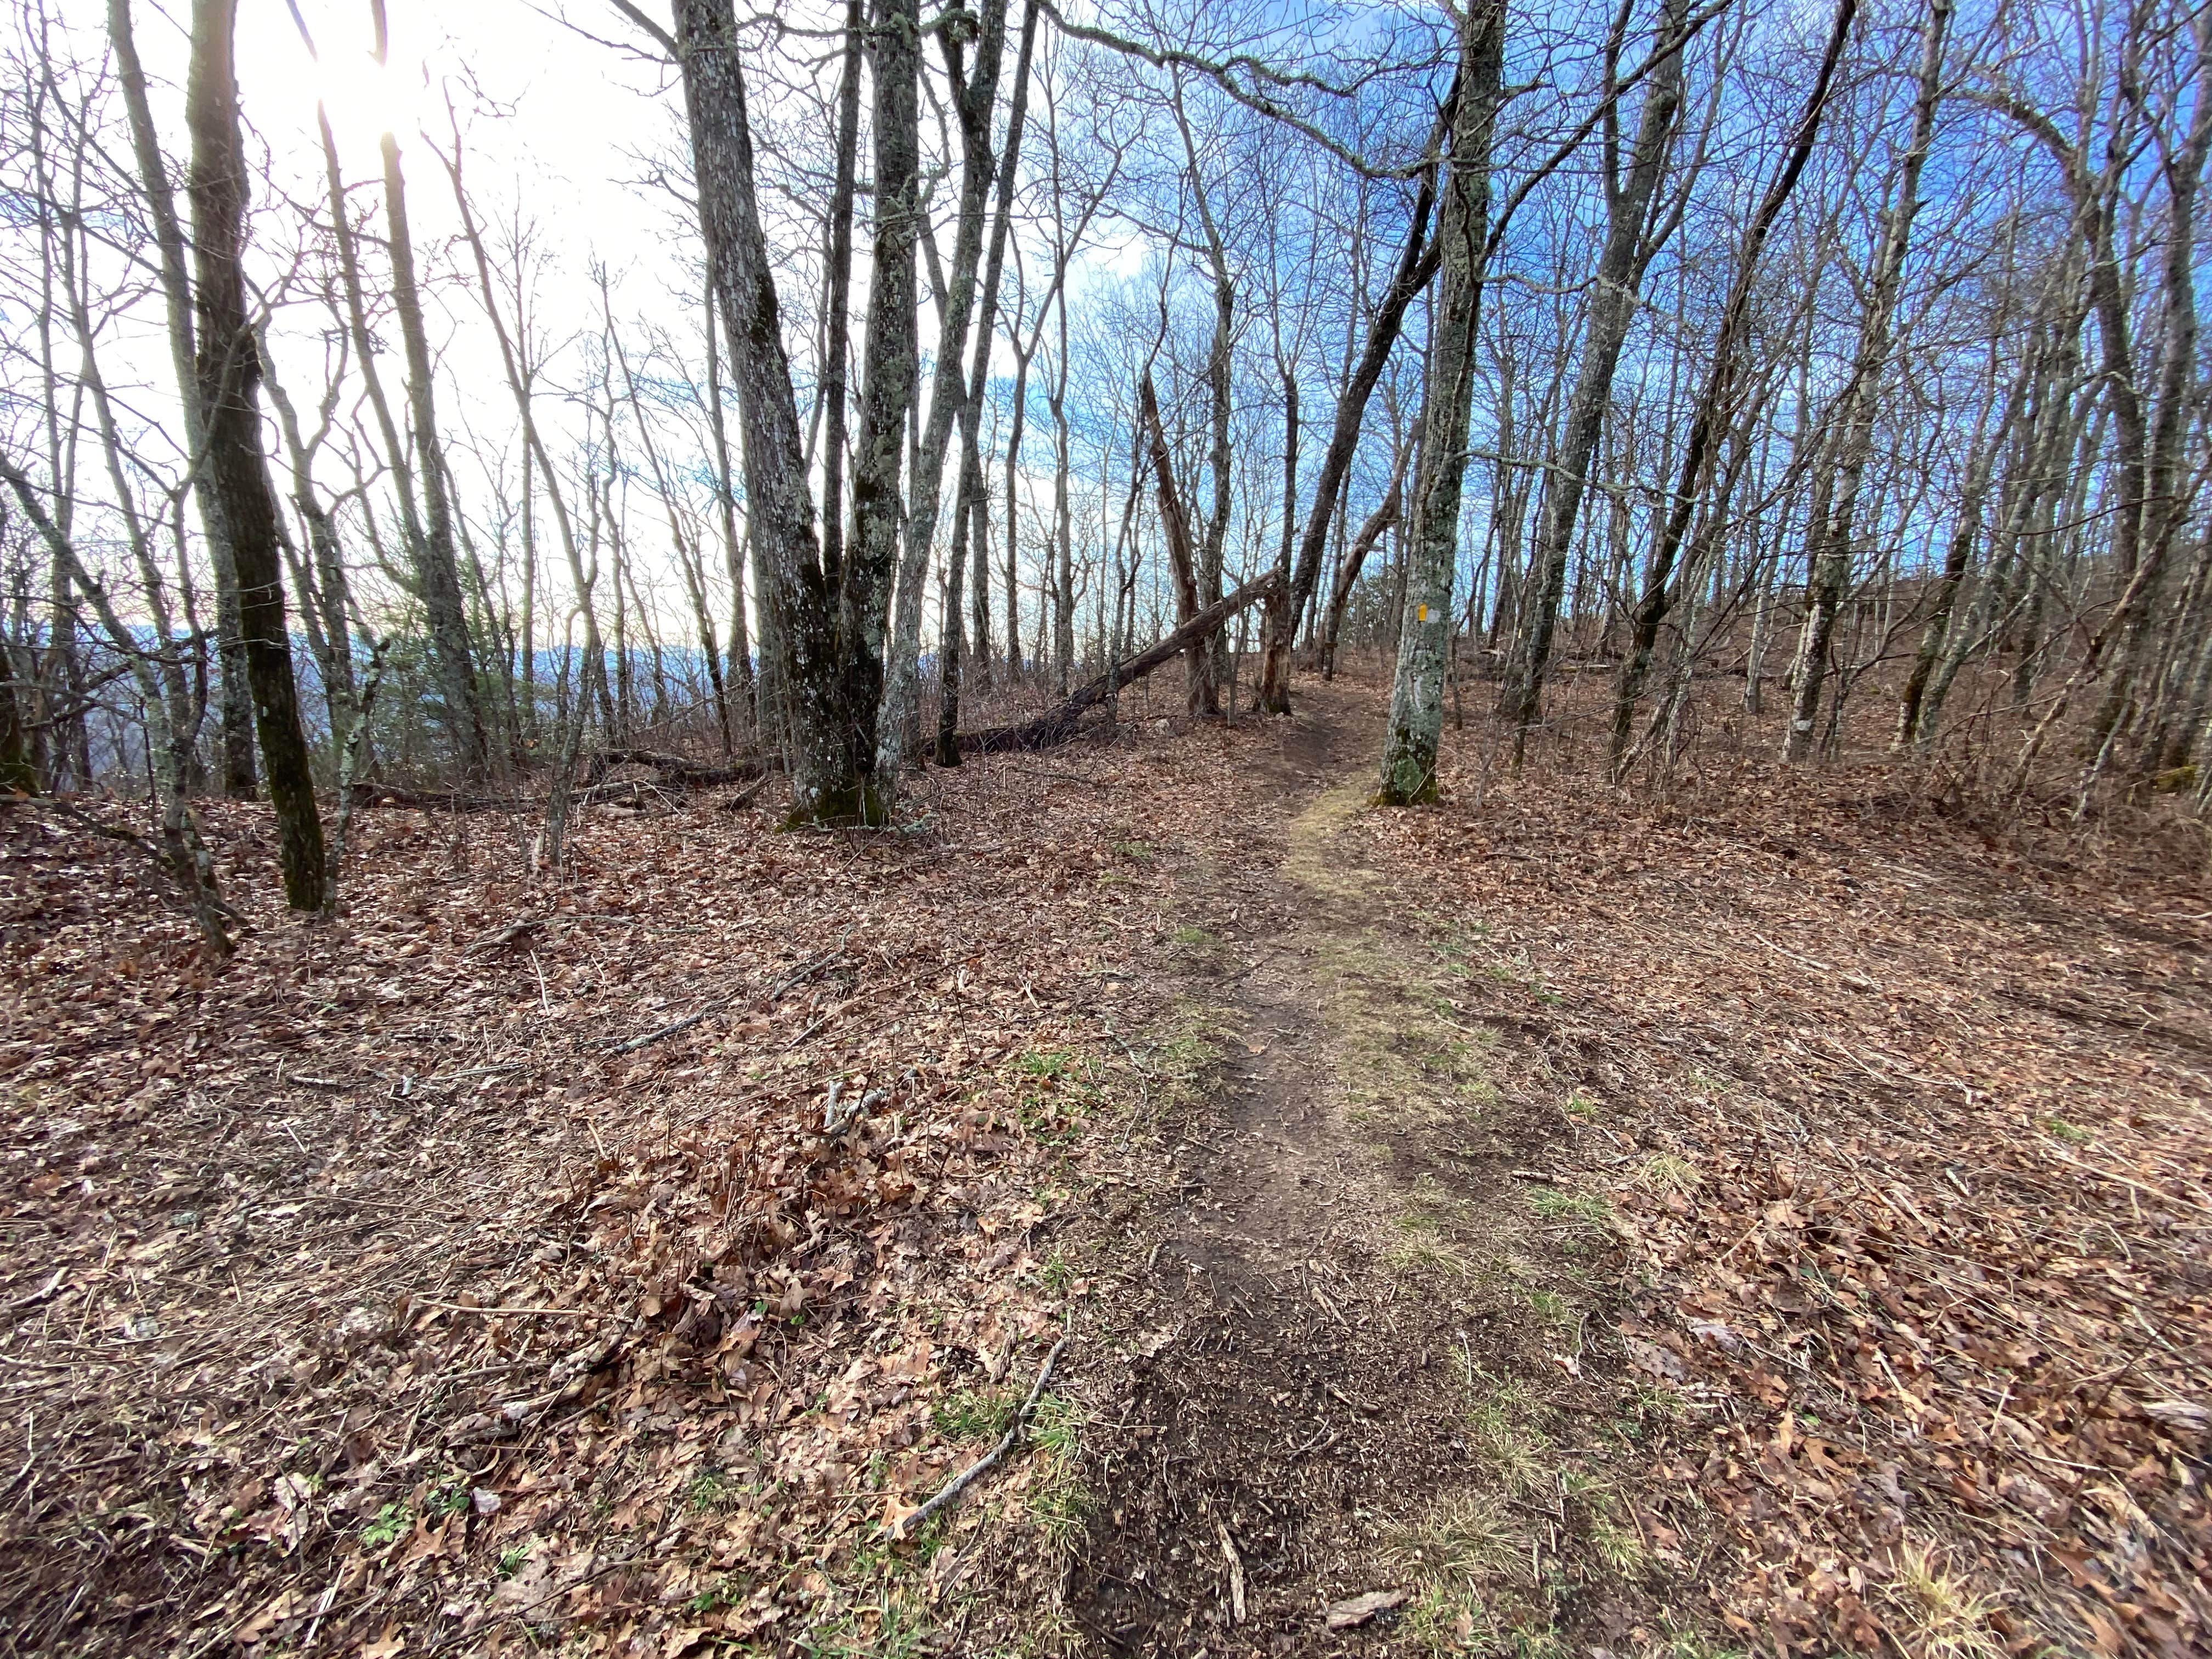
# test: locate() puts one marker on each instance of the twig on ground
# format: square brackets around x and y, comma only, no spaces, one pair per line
[2144,1187]
[506,935]
[809,969]
[669,1029]
[989,1460]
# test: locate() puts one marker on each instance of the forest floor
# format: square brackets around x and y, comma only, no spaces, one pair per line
[1768,1215]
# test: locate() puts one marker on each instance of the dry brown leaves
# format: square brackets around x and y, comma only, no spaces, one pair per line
[363,1287]
[1908,1129]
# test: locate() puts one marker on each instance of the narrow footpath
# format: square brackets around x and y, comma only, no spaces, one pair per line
[1357,1344]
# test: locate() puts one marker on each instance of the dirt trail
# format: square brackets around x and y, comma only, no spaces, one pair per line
[1335,1285]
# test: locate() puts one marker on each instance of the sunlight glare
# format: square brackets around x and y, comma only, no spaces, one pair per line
[367,100]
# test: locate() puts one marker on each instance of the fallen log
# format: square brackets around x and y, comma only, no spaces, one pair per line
[1061,722]
[434,800]
[695,772]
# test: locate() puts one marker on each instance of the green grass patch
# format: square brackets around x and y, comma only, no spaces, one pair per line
[1557,1204]
[975,1413]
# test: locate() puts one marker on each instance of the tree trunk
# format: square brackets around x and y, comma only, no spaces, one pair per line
[830,783]
[837,301]
[973,94]
[890,373]
[1409,752]
[1183,561]
[1378,524]
[327,605]
[237,702]
[1416,264]
[1713,403]
[437,573]
[1013,517]
[228,370]
[754,694]
[1958,558]
[1277,618]
[1628,252]
[1828,565]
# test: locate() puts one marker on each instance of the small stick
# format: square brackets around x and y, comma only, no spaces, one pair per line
[1236,1572]
[810,969]
[322,1607]
[2143,1188]
[506,935]
[668,1031]
[989,1460]
[549,1313]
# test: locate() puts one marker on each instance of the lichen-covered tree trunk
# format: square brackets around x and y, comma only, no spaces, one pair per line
[1409,749]
[228,372]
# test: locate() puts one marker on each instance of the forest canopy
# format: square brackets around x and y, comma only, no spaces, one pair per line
[860,359]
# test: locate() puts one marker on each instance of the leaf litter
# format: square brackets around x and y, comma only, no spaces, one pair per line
[369,1295]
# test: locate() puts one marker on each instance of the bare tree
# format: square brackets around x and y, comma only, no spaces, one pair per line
[1409,749]
[227,371]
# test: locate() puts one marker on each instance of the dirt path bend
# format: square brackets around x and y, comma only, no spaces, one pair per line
[1357,1350]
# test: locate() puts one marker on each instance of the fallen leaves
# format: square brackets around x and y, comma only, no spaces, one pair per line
[367,1259]
[1925,1251]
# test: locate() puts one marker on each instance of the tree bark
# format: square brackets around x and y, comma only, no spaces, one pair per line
[974,93]
[1379,524]
[1277,618]
[1416,264]
[1409,751]
[837,301]
[228,372]
[1182,560]
[1828,563]
[752,692]
[889,375]
[1713,403]
[236,705]
[830,783]
[1628,252]
[437,572]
